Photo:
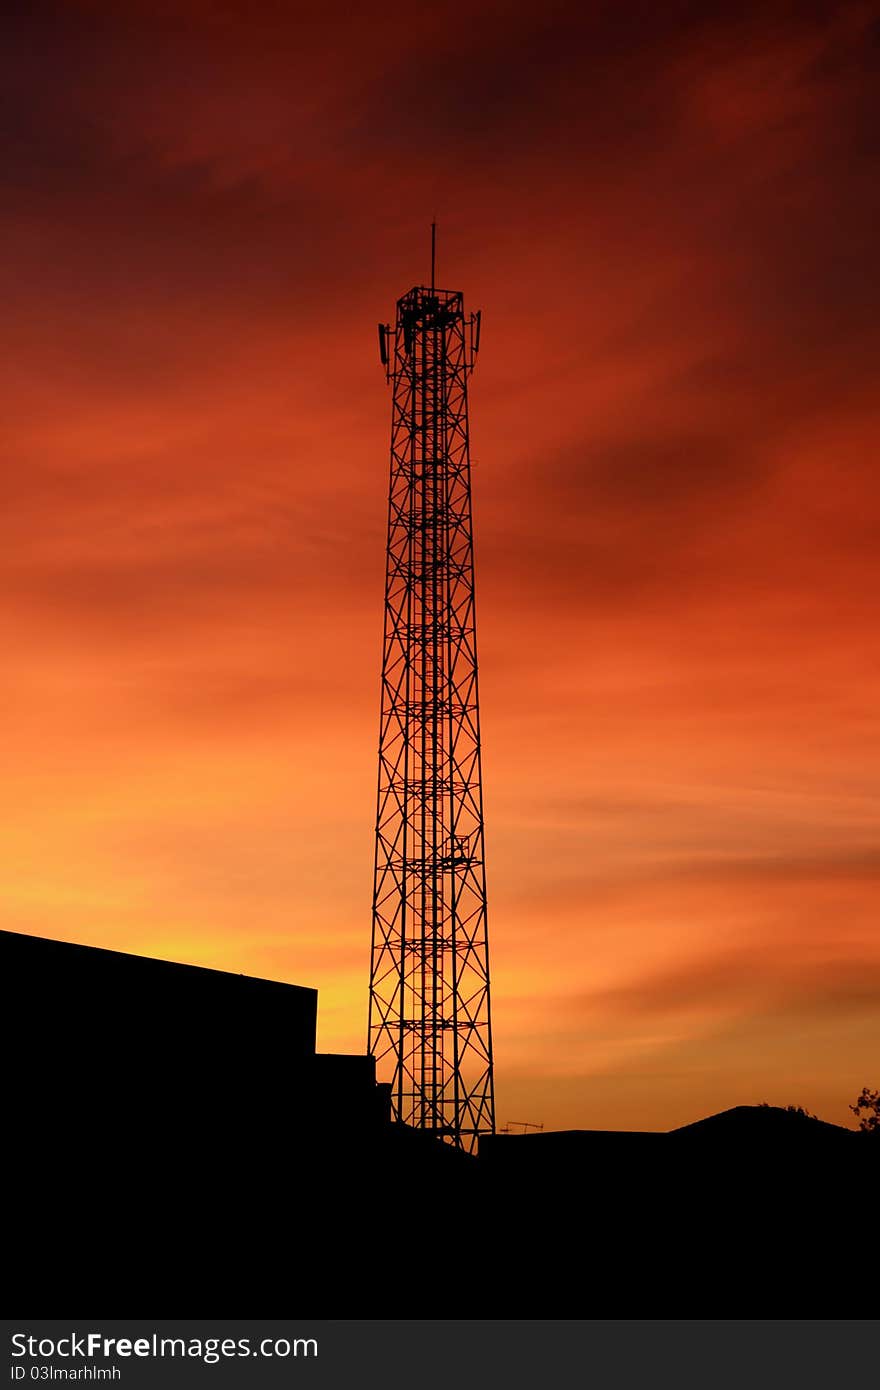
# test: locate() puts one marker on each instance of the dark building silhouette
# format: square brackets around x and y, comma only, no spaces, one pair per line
[170,1127]
[172,1135]
[113,1012]
[95,1028]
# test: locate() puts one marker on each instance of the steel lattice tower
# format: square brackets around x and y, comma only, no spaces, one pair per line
[429,1023]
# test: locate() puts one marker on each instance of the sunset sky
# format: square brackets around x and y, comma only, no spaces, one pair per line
[668,215]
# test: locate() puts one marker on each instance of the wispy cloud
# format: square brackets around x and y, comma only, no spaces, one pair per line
[675,436]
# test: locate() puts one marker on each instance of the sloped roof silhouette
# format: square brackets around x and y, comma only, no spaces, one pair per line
[759,1124]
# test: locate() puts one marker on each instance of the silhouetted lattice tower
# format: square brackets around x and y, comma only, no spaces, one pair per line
[429,1024]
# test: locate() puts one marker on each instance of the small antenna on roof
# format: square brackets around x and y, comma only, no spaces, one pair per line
[433,251]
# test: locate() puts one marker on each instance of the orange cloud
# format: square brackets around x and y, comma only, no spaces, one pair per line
[675,434]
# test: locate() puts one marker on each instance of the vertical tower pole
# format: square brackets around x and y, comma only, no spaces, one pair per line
[429,1020]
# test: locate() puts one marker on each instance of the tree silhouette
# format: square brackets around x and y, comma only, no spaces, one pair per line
[789,1110]
[869,1101]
